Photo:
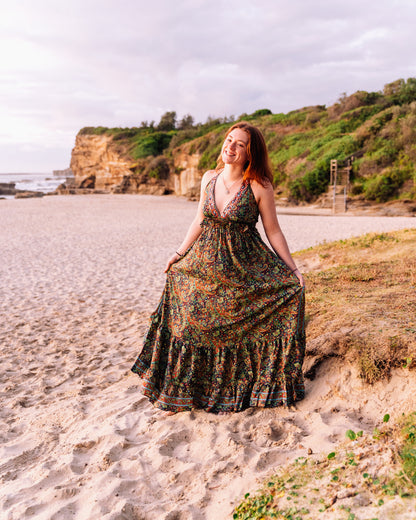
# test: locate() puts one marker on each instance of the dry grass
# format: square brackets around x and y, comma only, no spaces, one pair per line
[361,302]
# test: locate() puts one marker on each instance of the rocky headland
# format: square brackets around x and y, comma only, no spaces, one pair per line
[101,164]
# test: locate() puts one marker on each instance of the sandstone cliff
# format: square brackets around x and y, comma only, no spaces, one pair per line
[187,177]
[97,162]
[102,164]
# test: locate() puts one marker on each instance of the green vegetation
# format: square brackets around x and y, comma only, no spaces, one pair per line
[158,168]
[375,129]
[343,481]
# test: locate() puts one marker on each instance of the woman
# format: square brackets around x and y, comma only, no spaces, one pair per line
[229,329]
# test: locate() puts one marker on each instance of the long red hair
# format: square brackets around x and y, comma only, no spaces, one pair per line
[258,163]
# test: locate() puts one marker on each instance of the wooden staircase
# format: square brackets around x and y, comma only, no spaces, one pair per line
[339,184]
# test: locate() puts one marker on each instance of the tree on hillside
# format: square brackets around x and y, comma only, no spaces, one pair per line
[186,122]
[167,122]
[408,93]
[394,88]
[400,92]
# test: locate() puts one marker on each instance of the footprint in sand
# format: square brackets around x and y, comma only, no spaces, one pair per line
[81,456]
[174,442]
[11,469]
[269,459]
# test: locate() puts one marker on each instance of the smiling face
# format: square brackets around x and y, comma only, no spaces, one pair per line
[234,149]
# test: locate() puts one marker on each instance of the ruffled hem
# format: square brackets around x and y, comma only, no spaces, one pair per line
[265,375]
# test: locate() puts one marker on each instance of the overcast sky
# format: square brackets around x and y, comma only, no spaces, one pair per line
[66,64]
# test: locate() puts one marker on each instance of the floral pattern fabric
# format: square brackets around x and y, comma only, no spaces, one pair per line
[229,329]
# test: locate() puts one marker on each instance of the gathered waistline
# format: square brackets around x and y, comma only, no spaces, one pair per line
[226,222]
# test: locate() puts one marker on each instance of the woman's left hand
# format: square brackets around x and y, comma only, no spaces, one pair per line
[172,260]
[299,276]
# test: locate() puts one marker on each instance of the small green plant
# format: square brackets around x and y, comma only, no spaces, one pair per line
[408,362]
[351,435]
[408,451]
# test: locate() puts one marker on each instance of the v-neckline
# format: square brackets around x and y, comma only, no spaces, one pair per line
[221,214]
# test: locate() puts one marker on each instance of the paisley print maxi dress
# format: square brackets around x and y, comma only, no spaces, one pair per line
[229,329]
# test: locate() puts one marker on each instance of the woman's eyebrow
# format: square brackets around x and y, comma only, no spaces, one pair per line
[239,140]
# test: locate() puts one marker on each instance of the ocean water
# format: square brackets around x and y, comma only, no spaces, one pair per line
[44,182]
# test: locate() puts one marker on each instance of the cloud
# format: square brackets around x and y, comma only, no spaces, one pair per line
[117,63]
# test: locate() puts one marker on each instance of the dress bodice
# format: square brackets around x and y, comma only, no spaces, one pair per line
[241,209]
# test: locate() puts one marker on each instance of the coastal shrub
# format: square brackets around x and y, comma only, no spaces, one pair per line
[384,155]
[255,115]
[183,136]
[93,130]
[346,103]
[357,189]
[384,186]
[211,150]
[279,176]
[400,92]
[311,185]
[362,114]
[407,135]
[208,160]
[279,118]
[126,133]
[365,167]
[379,188]
[117,133]
[326,149]
[294,145]
[262,112]
[314,117]
[158,168]
[243,117]
[297,117]
[151,144]
[382,119]
[273,141]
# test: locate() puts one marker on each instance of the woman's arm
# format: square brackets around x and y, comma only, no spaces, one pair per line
[194,229]
[267,208]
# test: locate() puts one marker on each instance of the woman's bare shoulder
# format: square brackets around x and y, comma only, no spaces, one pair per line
[261,190]
[210,174]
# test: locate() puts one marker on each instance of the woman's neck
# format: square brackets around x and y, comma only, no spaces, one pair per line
[232,172]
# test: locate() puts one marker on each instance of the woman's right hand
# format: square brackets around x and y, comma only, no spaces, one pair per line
[300,278]
[172,260]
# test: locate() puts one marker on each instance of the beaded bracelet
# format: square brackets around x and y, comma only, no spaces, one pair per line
[294,270]
[179,254]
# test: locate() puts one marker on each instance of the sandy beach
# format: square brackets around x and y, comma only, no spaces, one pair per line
[79,276]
